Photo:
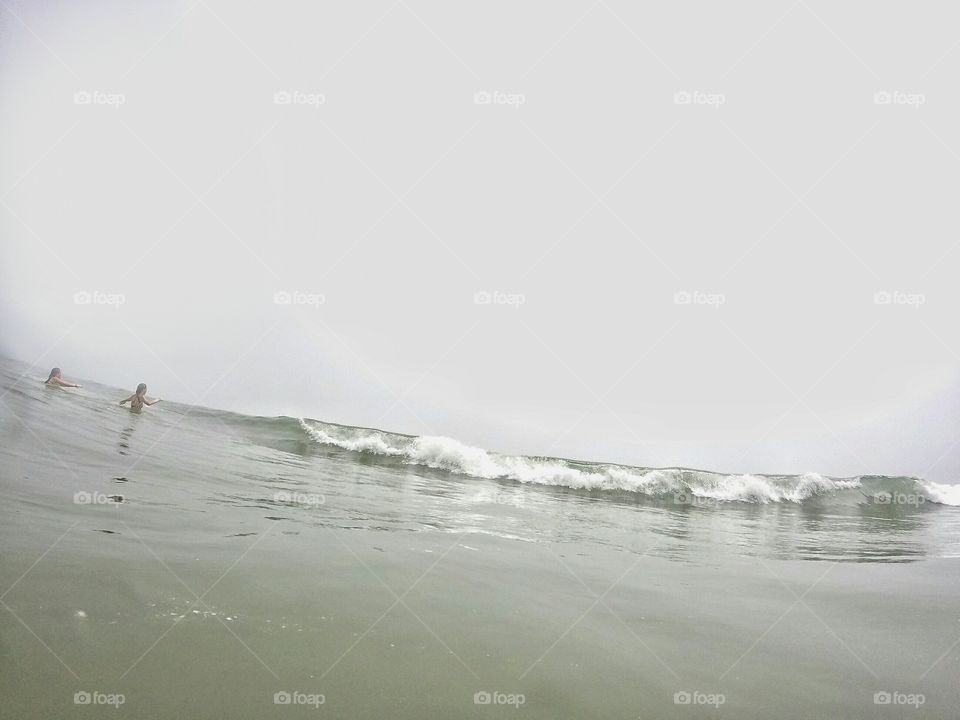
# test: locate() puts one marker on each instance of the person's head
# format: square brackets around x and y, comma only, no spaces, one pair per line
[141,389]
[55,373]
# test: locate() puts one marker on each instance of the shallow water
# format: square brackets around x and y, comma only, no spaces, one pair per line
[197,563]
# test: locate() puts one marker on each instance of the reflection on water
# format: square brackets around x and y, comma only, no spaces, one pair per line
[404,498]
[123,445]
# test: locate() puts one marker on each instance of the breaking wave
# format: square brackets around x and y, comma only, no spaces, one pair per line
[693,486]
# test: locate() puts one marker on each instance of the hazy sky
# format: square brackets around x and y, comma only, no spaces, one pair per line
[584,162]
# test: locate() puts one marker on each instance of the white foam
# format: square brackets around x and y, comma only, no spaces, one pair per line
[448,454]
[940,493]
[361,442]
[760,489]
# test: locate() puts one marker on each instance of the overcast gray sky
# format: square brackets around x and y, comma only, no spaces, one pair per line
[683,214]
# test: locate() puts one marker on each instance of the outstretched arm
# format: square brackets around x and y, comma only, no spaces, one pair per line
[150,402]
[128,399]
[62,383]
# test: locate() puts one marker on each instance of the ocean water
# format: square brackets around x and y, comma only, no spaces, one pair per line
[188,562]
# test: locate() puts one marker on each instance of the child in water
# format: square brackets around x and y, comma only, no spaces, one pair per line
[139,399]
[56,379]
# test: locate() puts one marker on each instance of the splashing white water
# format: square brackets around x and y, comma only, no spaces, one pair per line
[443,453]
[939,493]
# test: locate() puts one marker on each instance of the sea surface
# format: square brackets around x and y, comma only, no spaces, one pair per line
[189,562]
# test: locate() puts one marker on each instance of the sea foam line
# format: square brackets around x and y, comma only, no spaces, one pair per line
[448,454]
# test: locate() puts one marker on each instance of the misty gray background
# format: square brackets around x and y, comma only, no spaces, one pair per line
[597,200]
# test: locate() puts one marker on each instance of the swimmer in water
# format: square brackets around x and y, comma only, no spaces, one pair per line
[139,399]
[56,380]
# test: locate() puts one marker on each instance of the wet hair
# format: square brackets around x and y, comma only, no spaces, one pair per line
[53,373]
[141,388]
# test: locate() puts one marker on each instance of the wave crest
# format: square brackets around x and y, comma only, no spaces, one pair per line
[443,453]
